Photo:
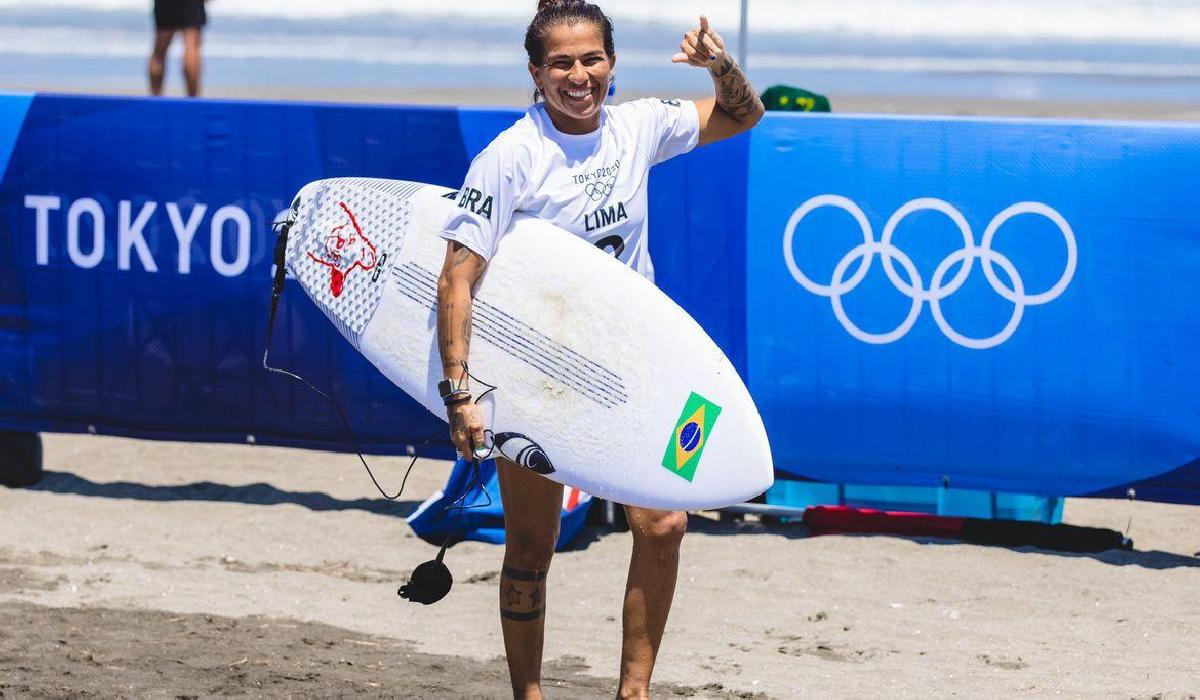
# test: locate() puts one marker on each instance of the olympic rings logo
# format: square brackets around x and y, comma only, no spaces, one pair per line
[939,287]
[597,191]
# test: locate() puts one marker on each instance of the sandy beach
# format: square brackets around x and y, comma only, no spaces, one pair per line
[144,568]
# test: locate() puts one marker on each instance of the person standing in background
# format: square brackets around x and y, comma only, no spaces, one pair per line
[171,16]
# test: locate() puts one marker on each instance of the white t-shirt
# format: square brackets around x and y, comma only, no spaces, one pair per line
[593,185]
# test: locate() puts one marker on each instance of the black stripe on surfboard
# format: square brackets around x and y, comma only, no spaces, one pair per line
[612,377]
[517,346]
[514,346]
[529,339]
[523,342]
[540,342]
[398,188]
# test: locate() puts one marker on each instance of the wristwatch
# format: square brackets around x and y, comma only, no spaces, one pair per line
[454,392]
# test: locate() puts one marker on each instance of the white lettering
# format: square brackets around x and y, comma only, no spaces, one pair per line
[92,208]
[135,233]
[185,232]
[130,235]
[42,205]
[219,219]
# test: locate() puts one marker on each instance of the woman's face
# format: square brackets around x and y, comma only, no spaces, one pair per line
[574,78]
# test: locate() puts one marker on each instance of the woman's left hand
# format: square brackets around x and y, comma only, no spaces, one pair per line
[701,47]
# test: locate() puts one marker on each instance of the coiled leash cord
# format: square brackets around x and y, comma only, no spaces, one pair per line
[431,580]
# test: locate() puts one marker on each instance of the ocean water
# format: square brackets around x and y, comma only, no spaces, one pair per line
[1134,50]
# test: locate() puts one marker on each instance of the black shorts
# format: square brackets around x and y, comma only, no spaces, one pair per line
[179,14]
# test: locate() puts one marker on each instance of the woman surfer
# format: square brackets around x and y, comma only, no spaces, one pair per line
[567,158]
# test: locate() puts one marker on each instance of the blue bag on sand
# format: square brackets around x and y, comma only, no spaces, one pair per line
[482,517]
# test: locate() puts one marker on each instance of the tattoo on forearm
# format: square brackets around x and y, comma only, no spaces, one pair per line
[522,594]
[723,67]
[454,316]
[453,343]
[735,94]
[465,329]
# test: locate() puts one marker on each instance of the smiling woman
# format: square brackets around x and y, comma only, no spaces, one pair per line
[583,165]
[575,77]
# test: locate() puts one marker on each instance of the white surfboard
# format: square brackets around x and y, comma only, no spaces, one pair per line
[603,382]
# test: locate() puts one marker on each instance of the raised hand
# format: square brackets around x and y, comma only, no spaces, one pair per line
[701,47]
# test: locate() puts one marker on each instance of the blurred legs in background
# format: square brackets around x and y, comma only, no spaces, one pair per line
[158,59]
[171,16]
[191,59]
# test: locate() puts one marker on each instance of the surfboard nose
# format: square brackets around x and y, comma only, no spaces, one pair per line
[307,194]
[755,471]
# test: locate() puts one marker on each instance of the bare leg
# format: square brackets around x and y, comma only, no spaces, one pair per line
[158,59]
[191,60]
[648,593]
[531,517]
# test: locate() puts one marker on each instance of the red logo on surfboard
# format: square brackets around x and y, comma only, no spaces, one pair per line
[346,250]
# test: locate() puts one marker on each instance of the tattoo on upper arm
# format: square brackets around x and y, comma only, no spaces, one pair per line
[461,255]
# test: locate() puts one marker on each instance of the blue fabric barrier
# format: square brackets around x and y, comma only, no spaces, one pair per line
[137,258]
[1054,359]
[464,511]
[994,305]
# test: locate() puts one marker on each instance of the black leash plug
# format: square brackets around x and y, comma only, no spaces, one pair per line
[430,582]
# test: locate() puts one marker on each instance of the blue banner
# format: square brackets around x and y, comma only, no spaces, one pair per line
[137,258]
[135,263]
[997,305]
[990,304]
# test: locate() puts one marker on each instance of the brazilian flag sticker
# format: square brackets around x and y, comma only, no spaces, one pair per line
[691,433]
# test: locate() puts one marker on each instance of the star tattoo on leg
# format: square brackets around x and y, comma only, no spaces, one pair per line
[514,596]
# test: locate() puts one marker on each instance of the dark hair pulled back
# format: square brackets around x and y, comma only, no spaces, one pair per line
[551,13]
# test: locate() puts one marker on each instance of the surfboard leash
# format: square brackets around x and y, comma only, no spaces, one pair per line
[431,580]
[283,228]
